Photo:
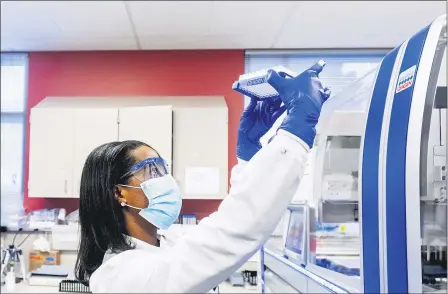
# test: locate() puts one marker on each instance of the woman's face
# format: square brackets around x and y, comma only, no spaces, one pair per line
[132,196]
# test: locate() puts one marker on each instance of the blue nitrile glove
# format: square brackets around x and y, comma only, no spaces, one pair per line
[303,97]
[256,120]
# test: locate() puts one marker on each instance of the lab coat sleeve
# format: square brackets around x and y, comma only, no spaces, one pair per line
[261,190]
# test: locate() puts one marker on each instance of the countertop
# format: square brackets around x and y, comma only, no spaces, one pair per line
[23,287]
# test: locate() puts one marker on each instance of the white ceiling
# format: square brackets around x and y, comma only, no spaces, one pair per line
[145,25]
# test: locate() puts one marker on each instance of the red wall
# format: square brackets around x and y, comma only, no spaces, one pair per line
[135,73]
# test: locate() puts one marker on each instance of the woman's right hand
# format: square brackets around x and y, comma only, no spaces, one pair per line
[303,97]
[255,122]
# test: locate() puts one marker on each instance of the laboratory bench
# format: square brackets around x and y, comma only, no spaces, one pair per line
[282,275]
[23,287]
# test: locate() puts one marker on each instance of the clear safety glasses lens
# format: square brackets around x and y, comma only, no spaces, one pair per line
[149,168]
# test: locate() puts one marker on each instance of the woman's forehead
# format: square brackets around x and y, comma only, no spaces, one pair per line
[144,152]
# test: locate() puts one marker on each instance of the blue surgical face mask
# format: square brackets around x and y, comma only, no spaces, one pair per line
[165,201]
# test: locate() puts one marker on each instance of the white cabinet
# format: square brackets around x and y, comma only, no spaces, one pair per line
[51,153]
[64,132]
[201,151]
[152,125]
[92,127]
[188,132]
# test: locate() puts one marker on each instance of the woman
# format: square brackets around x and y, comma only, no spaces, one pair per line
[127,193]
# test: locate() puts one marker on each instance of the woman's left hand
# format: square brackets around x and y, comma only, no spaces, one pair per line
[255,122]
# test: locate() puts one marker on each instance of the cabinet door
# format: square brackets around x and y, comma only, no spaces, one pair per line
[152,125]
[201,152]
[92,128]
[51,153]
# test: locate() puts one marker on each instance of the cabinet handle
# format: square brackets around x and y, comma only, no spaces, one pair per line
[14,178]
[65,186]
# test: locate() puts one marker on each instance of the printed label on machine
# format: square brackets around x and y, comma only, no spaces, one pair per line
[406,79]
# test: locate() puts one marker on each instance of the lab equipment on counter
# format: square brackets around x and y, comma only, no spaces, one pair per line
[343,265]
[337,248]
[48,275]
[12,260]
[73,286]
[65,237]
[39,259]
[299,218]
[331,246]
[73,217]
[335,189]
[247,279]
[423,196]
[381,148]
[186,219]
[433,194]
[236,279]
[255,85]
[340,187]
[46,218]
[250,279]
[61,216]
[12,214]
[12,257]
[337,156]
[434,244]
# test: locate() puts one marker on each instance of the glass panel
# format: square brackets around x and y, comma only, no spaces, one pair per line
[335,244]
[11,169]
[340,71]
[337,229]
[433,205]
[13,88]
[11,155]
[342,68]
[340,174]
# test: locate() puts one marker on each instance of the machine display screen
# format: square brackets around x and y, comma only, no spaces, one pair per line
[296,231]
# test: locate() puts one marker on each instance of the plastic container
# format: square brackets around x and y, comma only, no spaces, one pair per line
[10,281]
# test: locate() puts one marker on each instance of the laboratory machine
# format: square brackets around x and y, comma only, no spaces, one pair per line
[370,215]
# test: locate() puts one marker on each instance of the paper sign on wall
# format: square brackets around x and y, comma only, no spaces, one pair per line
[202,180]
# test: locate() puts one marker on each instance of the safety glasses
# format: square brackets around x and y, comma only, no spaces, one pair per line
[150,168]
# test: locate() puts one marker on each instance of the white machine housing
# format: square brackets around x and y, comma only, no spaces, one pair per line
[331,184]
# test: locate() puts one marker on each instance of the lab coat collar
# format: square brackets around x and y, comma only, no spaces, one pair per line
[139,245]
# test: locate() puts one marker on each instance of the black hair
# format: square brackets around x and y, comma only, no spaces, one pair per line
[100,214]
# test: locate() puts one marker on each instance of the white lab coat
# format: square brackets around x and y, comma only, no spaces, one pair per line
[260,192]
